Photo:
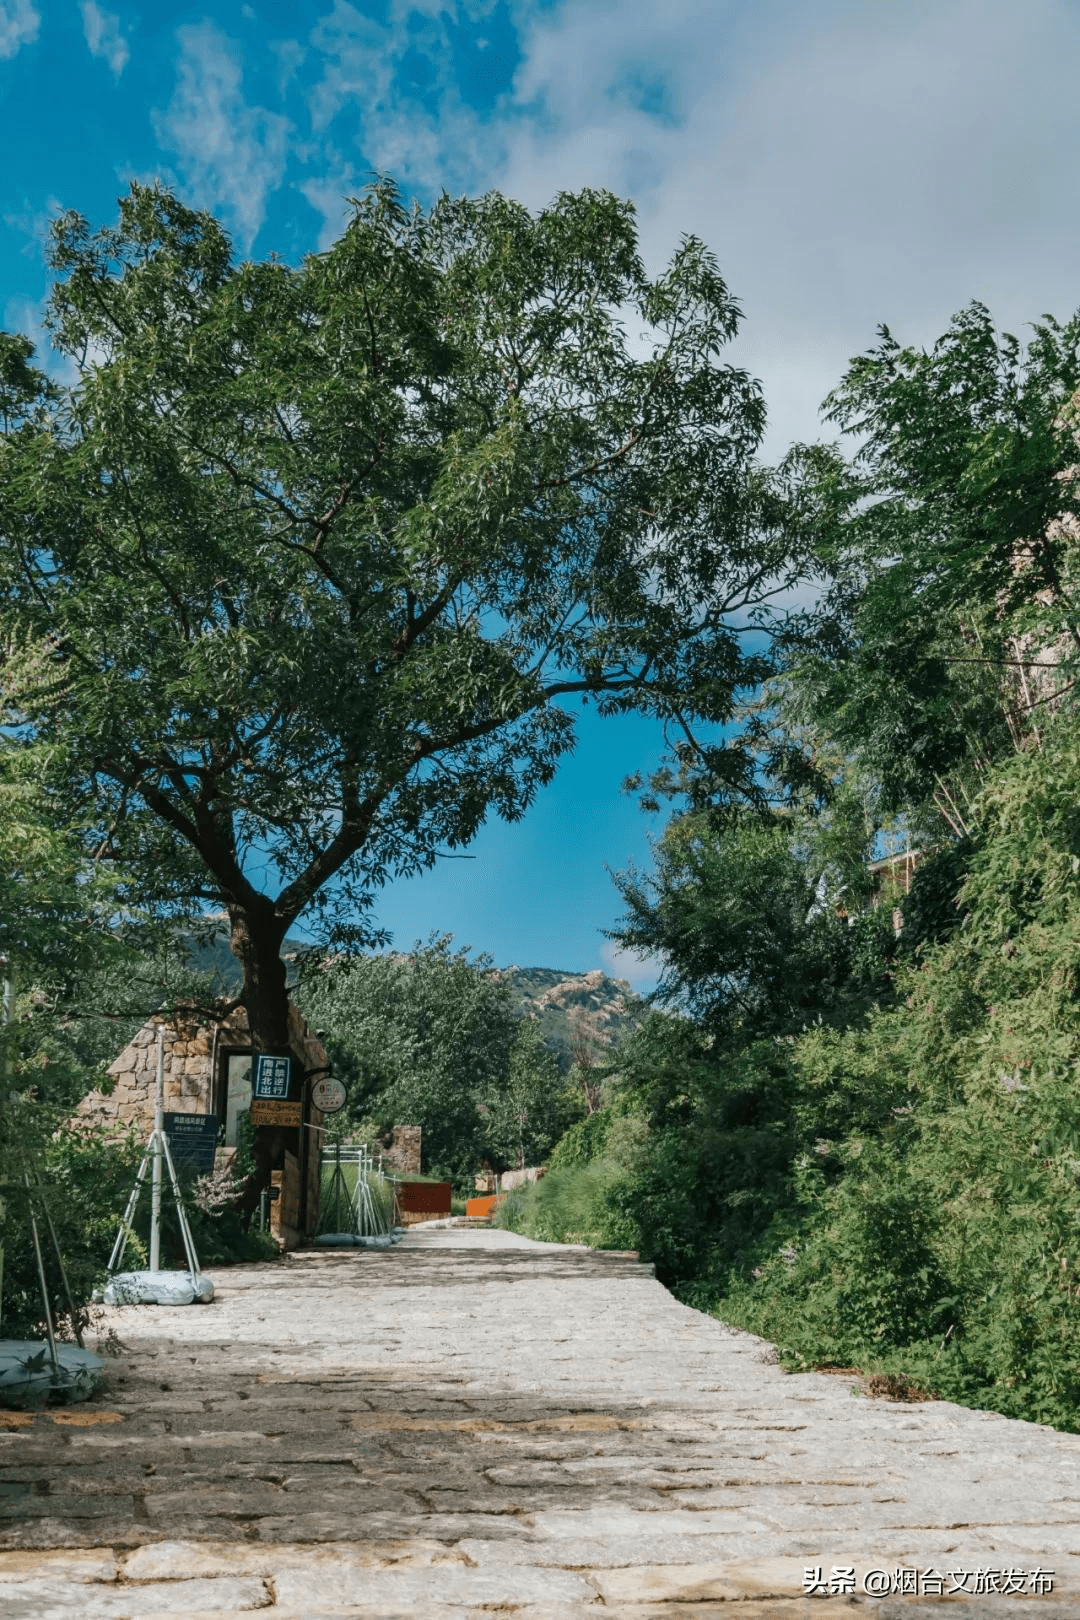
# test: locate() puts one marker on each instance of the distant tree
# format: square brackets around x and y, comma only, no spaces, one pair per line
[437,1039]
[531,1105]
[759,914]
[583,1058]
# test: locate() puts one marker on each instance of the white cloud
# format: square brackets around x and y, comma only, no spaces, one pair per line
[328,197]
[34,224]
[19,24]
[290,57]
[396,81]
[352,47]
[103,37]
[642,972]
[232,154]
[848,164]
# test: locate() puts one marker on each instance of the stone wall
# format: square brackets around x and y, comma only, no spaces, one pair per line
[403,1154]
[191,1048]
[190,1056]
[488,1182]
[520,1178]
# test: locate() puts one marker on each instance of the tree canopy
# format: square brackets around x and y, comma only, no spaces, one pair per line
[315,556]
[950,555]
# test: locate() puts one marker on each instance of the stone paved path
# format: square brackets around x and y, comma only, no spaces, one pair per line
[473,1423]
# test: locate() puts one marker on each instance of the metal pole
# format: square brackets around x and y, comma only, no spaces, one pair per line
[125,1225]
[75,1328]
[157,1139]
[50,1334]
[5,1020]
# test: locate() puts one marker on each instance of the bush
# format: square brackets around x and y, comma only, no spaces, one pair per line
[573,1205]
[86,1180]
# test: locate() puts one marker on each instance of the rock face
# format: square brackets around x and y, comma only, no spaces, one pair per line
[580,1014]
[487,1181]
[521,1178]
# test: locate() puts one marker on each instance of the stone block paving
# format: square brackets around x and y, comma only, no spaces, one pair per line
[472,1423]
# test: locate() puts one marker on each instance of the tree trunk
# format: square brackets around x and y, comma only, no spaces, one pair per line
[256,936]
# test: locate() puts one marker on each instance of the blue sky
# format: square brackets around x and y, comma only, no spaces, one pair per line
[849,161]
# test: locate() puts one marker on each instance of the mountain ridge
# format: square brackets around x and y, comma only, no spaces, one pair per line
[581,1015]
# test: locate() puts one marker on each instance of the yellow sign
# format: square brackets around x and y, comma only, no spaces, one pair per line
[275,1113]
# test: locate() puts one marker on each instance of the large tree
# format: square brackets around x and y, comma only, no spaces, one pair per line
[319,553]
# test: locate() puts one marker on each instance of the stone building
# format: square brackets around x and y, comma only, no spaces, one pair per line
[207,1070]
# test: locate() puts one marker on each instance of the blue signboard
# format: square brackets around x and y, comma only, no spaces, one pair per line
[271,1077]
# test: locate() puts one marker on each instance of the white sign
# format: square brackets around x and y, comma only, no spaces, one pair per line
[328,1095]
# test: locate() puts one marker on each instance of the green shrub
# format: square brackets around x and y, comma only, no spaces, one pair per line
[583,1142]
[573,1205]
[898,1192]
[85,1179]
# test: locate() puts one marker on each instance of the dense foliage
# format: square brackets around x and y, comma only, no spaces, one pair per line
[867,1147]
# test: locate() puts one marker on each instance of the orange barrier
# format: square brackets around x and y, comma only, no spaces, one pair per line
[480,1207]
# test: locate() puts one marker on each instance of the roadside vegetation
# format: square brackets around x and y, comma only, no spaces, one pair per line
[860,1143]
[82,983]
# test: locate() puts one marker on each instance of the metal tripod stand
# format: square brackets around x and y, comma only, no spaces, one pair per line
[31,1188]
[157,1151]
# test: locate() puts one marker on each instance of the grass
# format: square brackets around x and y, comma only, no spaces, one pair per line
[380,1192]
[570,1205]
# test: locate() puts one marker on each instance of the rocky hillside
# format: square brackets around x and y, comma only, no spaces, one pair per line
[214,958]
[579,1013]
